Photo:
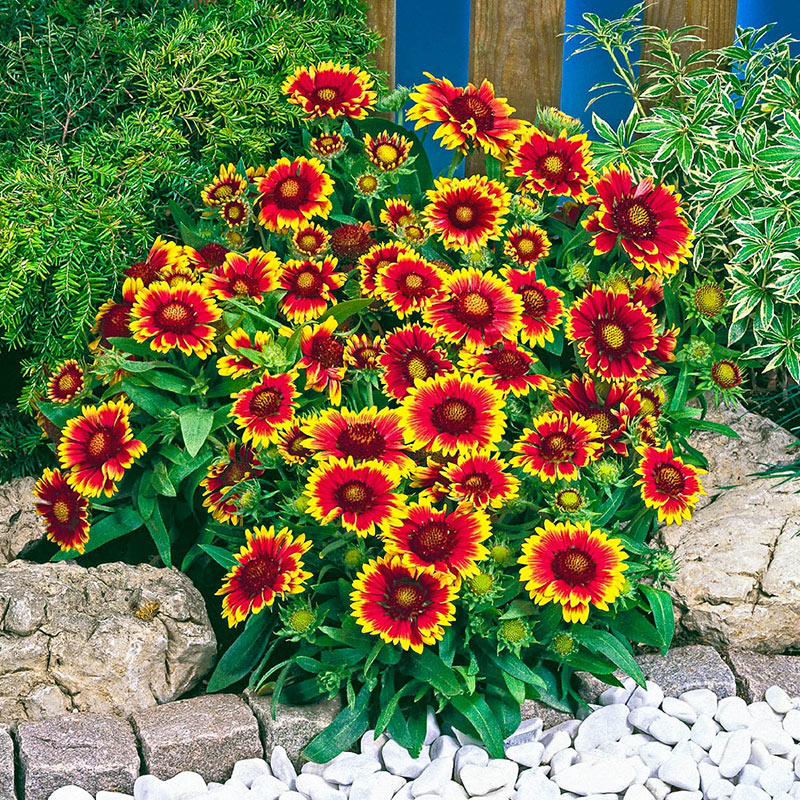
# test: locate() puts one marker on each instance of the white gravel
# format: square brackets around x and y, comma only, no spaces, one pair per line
[635,745]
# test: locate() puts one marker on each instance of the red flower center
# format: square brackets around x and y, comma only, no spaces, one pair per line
[175,316]
[414,233]
[470,108]
[308,283]
[534,301]
[266,403]
[62,510]
[308,242]
[634,219]
[326,95]
[241,286]
[290,192]
[573,566]
[405,600]
[432,540]
[99,445]
[473,309]
[257,575]
[603,419]
[508,363]
[328,351]
[557,447]
[115,322]
[361,441]
[553,167]
[68,383]
[418,367]
[295,446]
[414,283]
[613,337]
[355,496]
[234,473]
[213,254]
[668,479]
[350,240]
[477,482]
[453,416]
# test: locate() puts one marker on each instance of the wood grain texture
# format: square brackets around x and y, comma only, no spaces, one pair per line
[518,45]
[381,17]
[717,18]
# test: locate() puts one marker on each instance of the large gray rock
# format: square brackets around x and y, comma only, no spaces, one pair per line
[756,672]
[206,734]
[294,726]
[70,639]
[92,751]
[739,581]
[6,765]
[533,709]
[20,525]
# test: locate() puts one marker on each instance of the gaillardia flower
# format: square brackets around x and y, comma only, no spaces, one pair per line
[362,495]
[667,484]
[113,318]
[65,383]
[409,284]
[323,359]
[311,240]
[238,364]
[557,446]
[350,242]
[559,165]
[65,511]
[180,316]
[362,351]
[239,464]
[378,257]
[387,151]
[614,334]
[292,192]
[479,480]
[646,219]
[709,299]
[436,540]
[397,212]
[452,414]
[726,375]
[507,365]
[467,212]
[466,116]
[475,309]
[401,604]
[97,447]
[330,90]
[328,145]
[364,435]
[571,564]
[309,286]
[410,355]
[162,254]
[291,442]
[250,276]
[268,565]
[265,408]
[526,244]
[542,308]
[223,188]
[429,478]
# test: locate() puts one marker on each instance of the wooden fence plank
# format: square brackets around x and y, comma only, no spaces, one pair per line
[717,17]
[381,17]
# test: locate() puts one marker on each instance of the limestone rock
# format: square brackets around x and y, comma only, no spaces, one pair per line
[20,525]
[70,639]
[739,582]
[756,672]
[6,765]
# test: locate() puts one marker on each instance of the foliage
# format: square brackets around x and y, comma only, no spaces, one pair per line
[461,522]
[724,127]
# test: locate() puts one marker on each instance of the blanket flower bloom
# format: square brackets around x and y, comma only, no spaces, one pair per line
[65,511]
[330,90]
[668,484]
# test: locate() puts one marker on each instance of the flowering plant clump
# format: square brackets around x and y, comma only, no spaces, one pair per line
[423,426]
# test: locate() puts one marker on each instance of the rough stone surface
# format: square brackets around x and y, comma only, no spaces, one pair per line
[70,639]
[6,765]
[92,751]
[207,734]
[681,670]
[294,726]
[20,525]
[533,709]
[739,582]
[756,672]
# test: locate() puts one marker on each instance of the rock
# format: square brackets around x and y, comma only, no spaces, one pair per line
[527,755]
[398,761]
[317,788]
[72,642]
[434,777]
[657,788]
[609,776]
[554,743]
[756,672]
[703,701]
[249,769]
[453,791]
[733,714]
[206,734]
[777,698]
[113,796]
[637,792]
[346,767]
[604,724]
[532,783]
[791,724]
[267,787]
[739,583]
[704,731]
[771,733]
[650,695]
[680,771]
[566,758]
[669,730]
[644,716]
[186,783]
[482,780]
[529,730]
[775,780]
[70,793]
[679,709]
[6,765]
[681,795]
[443,746]
[618,694]
[736,754]
[369,745]
[534,709]
[294,726]
[87,750]
[744,792]
[381,786]
[654,754]
[470,754]
[20,526]
[282,767]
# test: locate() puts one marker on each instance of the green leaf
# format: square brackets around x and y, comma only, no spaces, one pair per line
[243,655]
[663,613]
[220,555]
[682,389]
[608,645]
[349,308]
[633,625]
[161,481]
[509,663]
[57,414]
[429,668]
[160,535]
[118,524]
[476,710]
[346,728]
[196,424]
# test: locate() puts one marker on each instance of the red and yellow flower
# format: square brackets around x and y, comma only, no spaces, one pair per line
[378,257]
[239,464]
[410,355]
[238,364]
[224,187]
[181,316]
[65,511]
[542,307]
[323,359]
[726,375]
[291,442]
[66,382]
[269,565]
[206,258]
[366,435]
[328,145]
[162,254]
[409,284]
[362,351]
[646,219]
[435,540]
[311,239]
[667,484]
[470,116]
[362,495]
[396,213]
[571,564]
[251,276]
[560,166]
[309,285]
[113,318]
[557,446]
[508,366]
[614,334]
[235,212]
[330,89]
[480,480]
[265,408]
[467,212]
[97,447]
[475,309]
[387,151]
[350,242]
[292,192]
[452,414]
[401,604]
[429,477]
[526,244]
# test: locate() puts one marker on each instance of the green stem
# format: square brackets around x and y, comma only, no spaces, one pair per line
[458,157]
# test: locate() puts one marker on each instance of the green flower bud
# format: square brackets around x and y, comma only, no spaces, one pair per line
[353,558]
[500,554]
[481,584]
[513,631]
[301,620]
[563,644]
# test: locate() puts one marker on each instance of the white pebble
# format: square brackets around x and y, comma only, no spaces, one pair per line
[248,769]
[559,741]
[703,701]
[432,731]
[733,714]
[532,783]
[292,795]
[681,772]
[775,780]
[527,755]
[466,739]
[780,702]
[772,734]
[669,730]
[607,723]
[370,745]
[453,791]
[398,760]
[470,754]
[745,792]
[657,788]
[317,788]
[651,695]
[148,787]
[759,755]
[617,694]
[679,709]
[749,775]
[718,746]
[791,724]
[443,747]
[70,793]
[654,754]
[634,742]
[637,792]
[268,787]
[709,772]
[482,780]
[704,731]
[736,754]
[113,796]
[684,795]
[434,777]
[719,788]
[563,759]
[282,767]
[380,786]
[345,770]
[763,710]
[529,730]
[609,776]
